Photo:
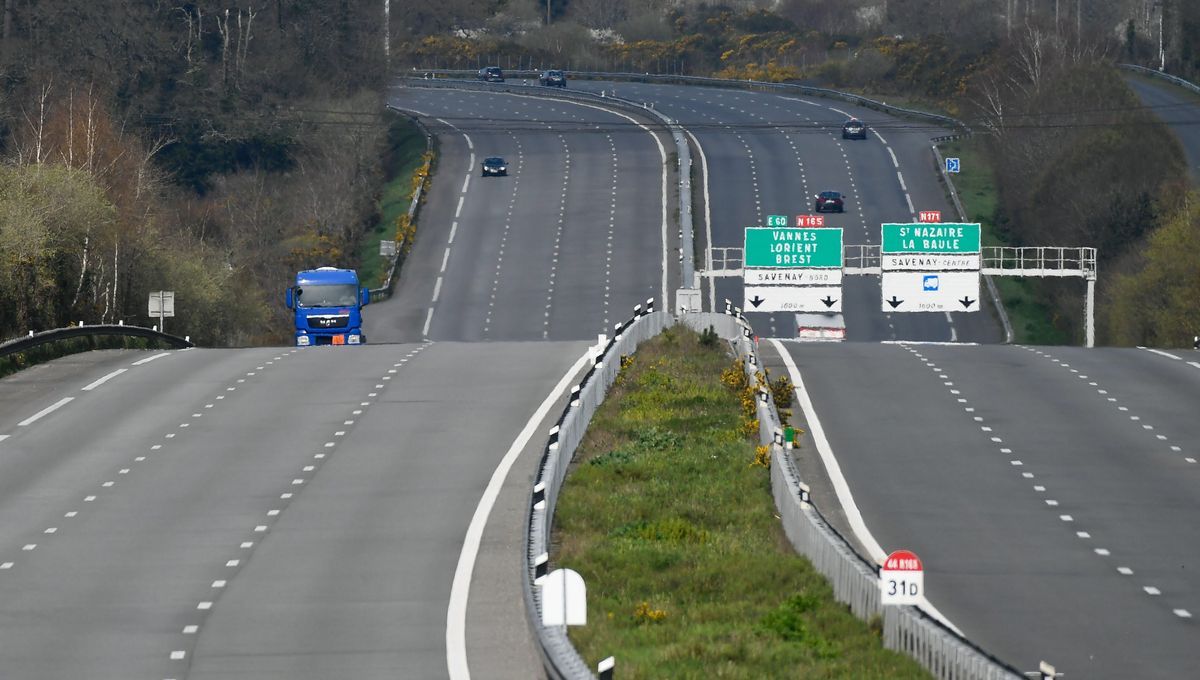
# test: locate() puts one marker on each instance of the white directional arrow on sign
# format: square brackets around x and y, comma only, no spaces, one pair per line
[930,292]
[792,299]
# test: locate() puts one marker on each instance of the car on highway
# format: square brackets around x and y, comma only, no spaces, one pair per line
[491,74]
[829,201]
[494,165]
[553,78]
[820,327]
[854,129]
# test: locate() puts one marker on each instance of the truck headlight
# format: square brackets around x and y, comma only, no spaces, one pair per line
[353,339]
[302,341]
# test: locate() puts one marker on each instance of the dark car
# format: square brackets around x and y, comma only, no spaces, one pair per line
[494,165]
[553,78]
[829,201]
[491,74]
[854,129]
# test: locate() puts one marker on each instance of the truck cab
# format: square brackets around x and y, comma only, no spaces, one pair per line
[327,303]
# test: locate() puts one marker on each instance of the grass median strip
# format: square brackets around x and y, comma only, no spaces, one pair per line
[672,526]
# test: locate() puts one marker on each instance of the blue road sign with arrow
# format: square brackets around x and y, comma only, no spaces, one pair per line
[952,165]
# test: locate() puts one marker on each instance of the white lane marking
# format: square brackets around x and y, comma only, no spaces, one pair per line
[6,565]
[3,437]
[712,283]
[190,630]
[46,411]
[853,516]
[1125,571]
[467,181]
[93,385]
[895,162]
[437,290]
[908,199]
[204,605]
[1151,590]
[1194,363]
[900,176]
[1182,613]
[445,259]
[839,111]
[456,612]
[149,359]
[458,210]
[453,229]
[1161,353]
[428,319]
[178,655]
[470,145]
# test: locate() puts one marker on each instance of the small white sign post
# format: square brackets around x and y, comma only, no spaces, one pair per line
[564,598]
[162,305]
[902,578]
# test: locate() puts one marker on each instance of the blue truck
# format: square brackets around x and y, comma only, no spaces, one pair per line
[328,306]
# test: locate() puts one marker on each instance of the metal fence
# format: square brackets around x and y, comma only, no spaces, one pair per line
[855,582]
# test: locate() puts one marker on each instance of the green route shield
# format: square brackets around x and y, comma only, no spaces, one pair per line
[793,247]
[930,237]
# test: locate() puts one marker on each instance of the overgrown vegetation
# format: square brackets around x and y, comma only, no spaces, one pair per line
[671,523]
[201,148]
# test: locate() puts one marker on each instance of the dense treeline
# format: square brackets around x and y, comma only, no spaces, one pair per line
[203,147]
[1078,160]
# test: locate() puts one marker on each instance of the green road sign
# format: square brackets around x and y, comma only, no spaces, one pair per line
[931,237]
[792,247]
[777,220]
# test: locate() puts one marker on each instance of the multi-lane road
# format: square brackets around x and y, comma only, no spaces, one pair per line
[274,513]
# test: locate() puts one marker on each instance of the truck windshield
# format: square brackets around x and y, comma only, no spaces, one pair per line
[327,295]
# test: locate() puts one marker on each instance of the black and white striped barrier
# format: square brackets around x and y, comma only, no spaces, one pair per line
[604,669]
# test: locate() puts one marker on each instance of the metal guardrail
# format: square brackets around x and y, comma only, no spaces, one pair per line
[384,292]
[19,345]
[1154,73]
[559,656]
[855,581]
[682,149]
[960,127]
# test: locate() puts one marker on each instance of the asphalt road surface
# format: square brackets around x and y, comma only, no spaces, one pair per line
[1050,492]
[770,154]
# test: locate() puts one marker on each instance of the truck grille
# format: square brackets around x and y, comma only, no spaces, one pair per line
[340,321]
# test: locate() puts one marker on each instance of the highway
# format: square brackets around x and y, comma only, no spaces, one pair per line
[274,513]
[770,154]
[283,513]
[1050,492]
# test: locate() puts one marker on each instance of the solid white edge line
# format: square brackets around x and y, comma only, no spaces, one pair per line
[472,161]
[470,144]
[885,142]
[46,411]
[900,176]
[93,385]
[460,589]
[895,162]
[149,359]
[712,283]
[911,210]
[845,498]
[437,289]
[841,112]
[428,320]
[1161,353]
